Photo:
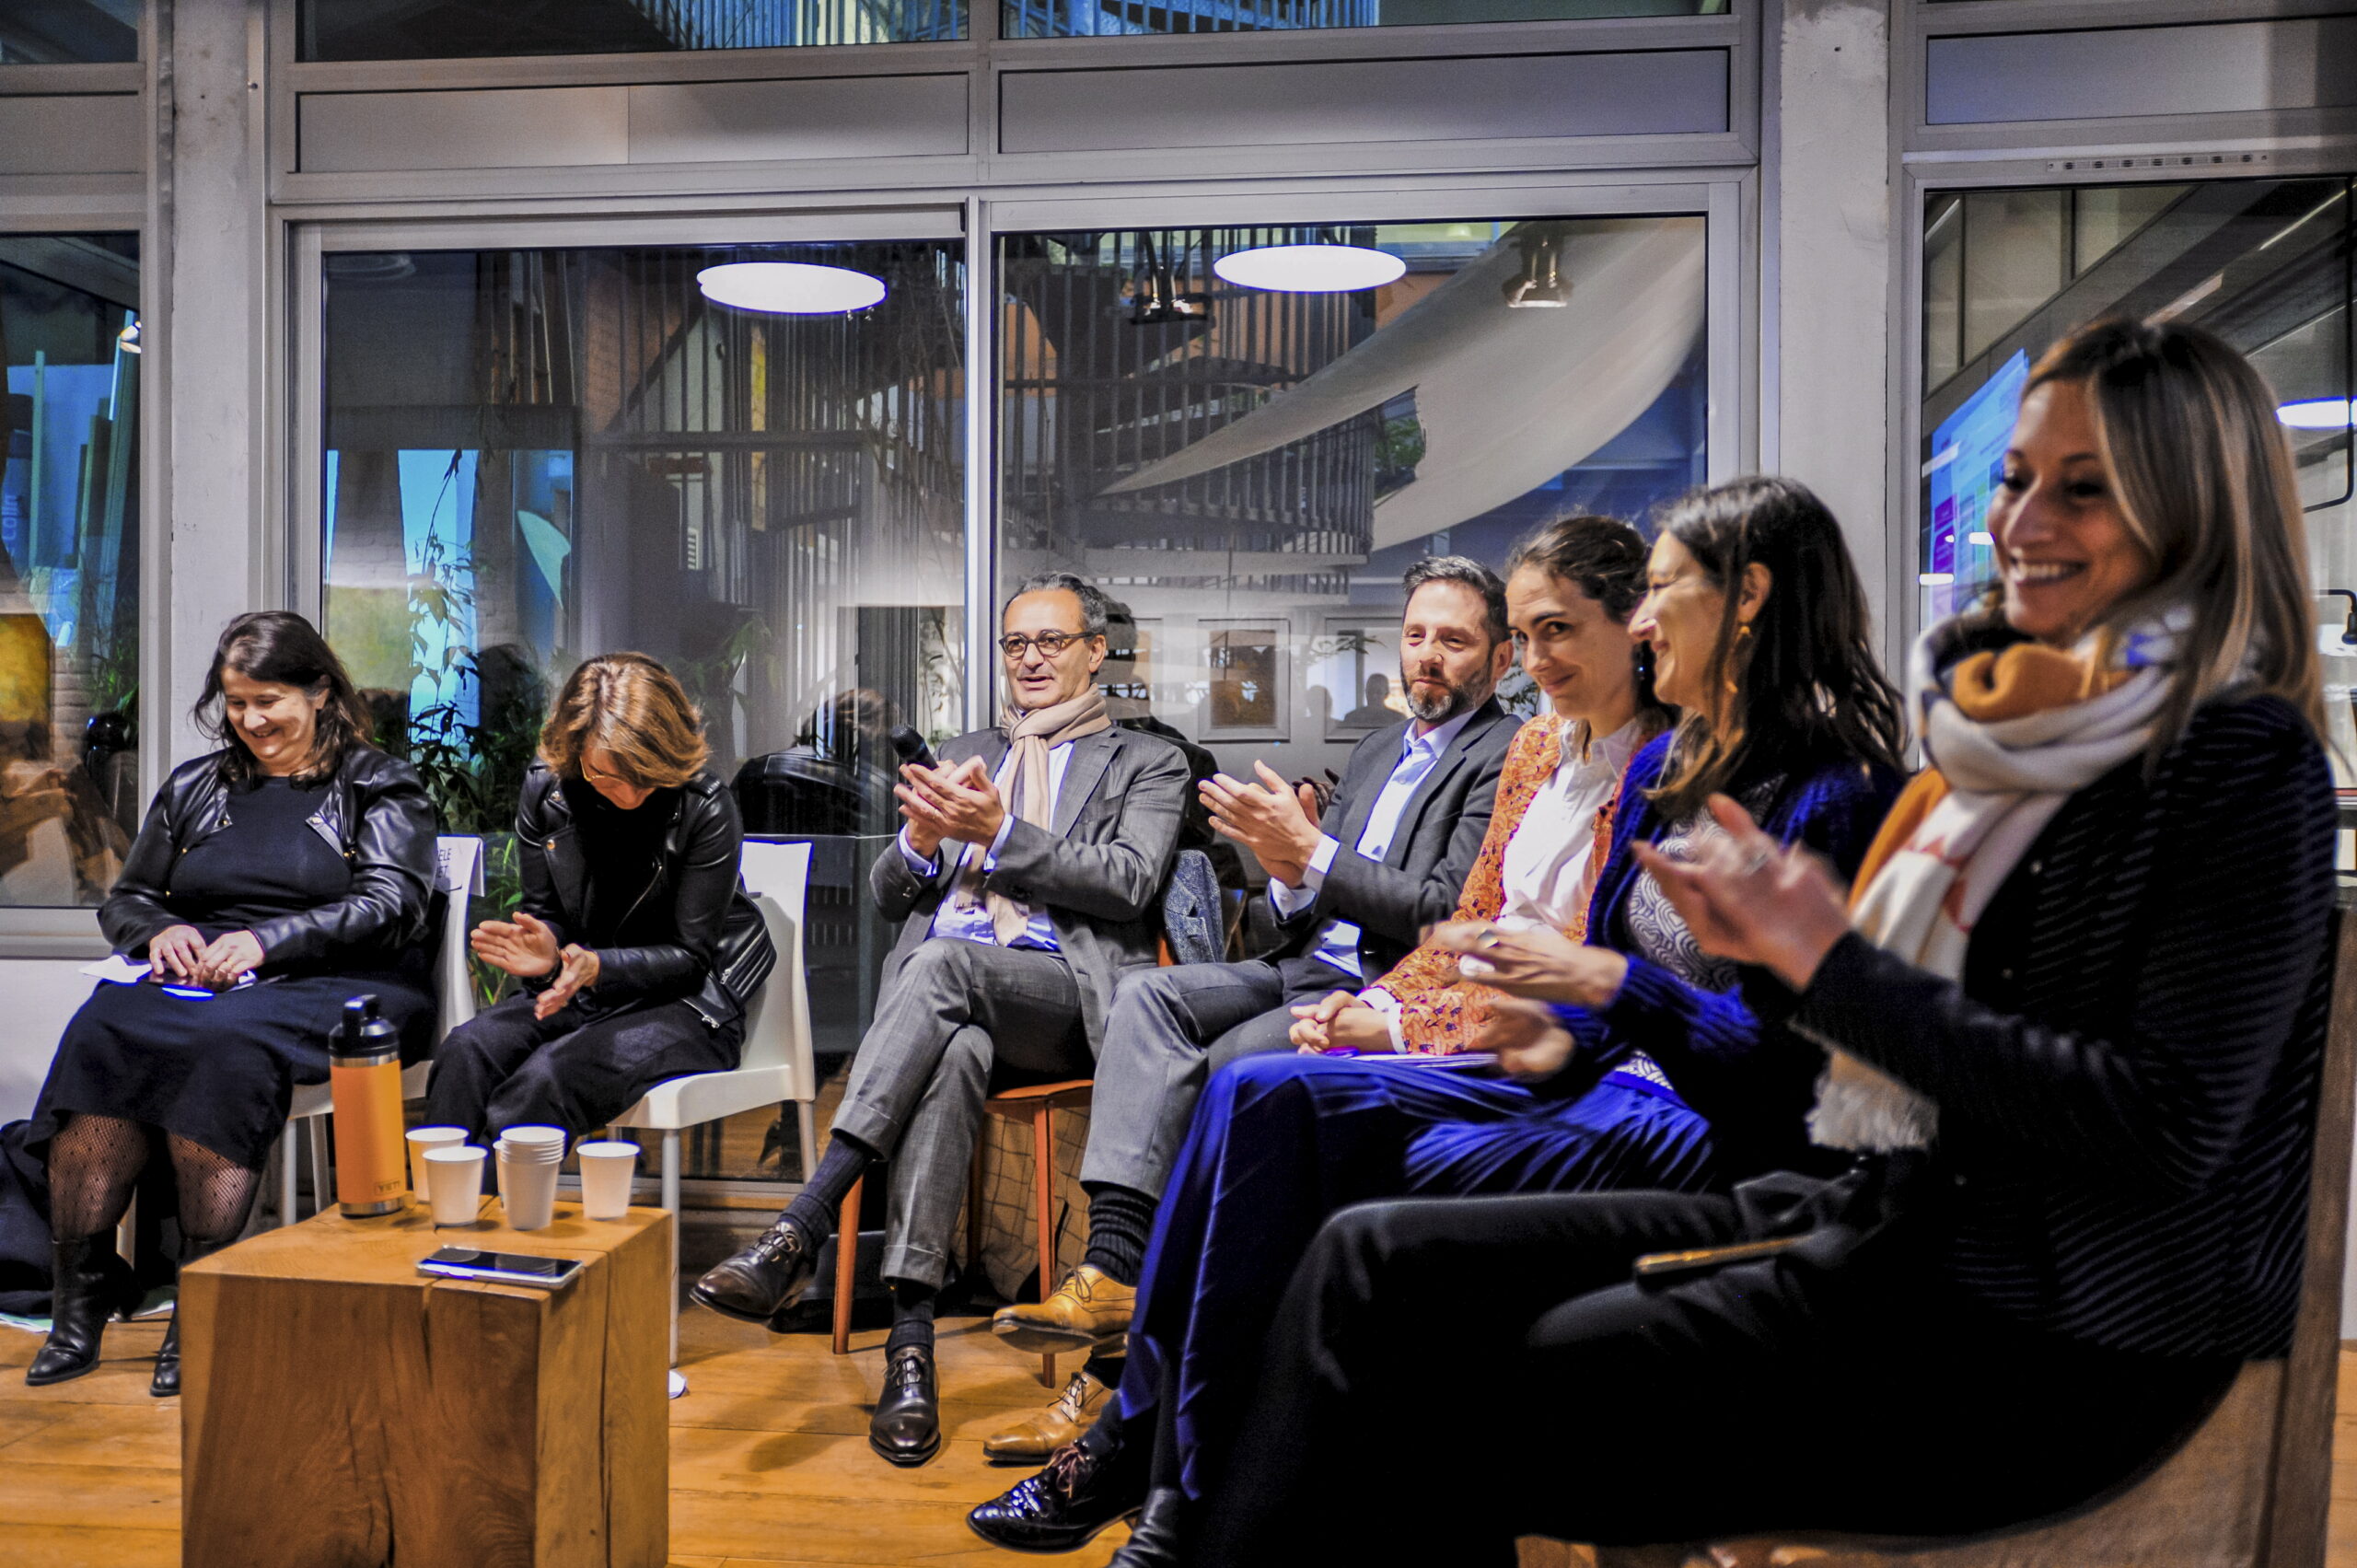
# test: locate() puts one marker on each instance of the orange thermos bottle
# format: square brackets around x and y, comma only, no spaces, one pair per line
[364,1080]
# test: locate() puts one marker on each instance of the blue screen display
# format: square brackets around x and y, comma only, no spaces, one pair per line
[1968,460]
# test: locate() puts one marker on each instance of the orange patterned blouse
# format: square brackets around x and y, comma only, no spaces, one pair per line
[1440,1012]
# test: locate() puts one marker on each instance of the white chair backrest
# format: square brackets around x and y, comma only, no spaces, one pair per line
[459,874]
[777,1021]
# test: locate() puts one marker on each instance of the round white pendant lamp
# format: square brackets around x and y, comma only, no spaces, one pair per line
[1309,269]
[2318,413]
[789,288]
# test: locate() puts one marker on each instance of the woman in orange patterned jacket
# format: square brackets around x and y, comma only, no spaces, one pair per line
[1572,588]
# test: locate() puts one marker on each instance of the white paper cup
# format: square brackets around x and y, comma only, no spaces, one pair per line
[421,1138]
[537,1135]
[606,1172]
[526,1191]
[454,1182]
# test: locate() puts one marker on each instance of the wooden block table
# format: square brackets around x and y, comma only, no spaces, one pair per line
[341,1410]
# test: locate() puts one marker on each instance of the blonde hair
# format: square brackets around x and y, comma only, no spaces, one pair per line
[2188,433]
[635,710]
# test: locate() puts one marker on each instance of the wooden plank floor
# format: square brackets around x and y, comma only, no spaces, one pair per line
[770,1463]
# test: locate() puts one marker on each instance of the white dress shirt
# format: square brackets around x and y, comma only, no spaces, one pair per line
[974,924]
[1337,942]
[1550,866]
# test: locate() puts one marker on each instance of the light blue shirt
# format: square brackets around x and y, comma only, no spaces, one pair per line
[1337,941]
[974,924]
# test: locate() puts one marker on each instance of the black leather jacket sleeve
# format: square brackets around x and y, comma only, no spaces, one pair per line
[133,911]
[393,853]
[536,825]
[705,886]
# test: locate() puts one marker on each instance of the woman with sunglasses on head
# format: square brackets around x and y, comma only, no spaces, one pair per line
[274,879]
[636,945]
[2074,1009]
[1656,1075]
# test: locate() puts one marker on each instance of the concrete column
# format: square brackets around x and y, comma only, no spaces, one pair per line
[1835,272]
[212,210]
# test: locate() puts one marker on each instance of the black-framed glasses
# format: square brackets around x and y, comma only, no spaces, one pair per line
[1014,645]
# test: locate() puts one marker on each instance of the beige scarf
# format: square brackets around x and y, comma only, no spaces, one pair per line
[1030,736]
[2010,735]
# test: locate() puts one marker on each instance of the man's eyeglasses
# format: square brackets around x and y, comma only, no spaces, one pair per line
[1050,643]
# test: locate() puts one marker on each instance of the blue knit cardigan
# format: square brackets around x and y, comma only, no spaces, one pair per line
[1753,1082]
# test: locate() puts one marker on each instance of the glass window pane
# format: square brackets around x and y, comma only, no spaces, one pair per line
[1251,470]
[2105,216]
[1107,19]
[1942,289]
[469,30]
[68,32]
[2014,260]
[535,456]
[69,566]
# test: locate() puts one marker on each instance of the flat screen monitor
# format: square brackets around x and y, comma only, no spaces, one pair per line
[1968,460]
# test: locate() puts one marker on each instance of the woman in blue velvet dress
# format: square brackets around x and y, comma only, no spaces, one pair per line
[1648,1071]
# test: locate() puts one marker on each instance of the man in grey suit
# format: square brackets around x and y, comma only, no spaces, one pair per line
[1353,892]
[1028,879]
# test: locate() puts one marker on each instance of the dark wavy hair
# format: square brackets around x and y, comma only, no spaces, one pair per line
[1803,687]
[280,647]
[1605,559]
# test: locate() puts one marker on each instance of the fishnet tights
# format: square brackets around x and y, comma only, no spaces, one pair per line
[94,1162]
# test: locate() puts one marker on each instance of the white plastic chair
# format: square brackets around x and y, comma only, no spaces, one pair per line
[775,1065]
[459,875]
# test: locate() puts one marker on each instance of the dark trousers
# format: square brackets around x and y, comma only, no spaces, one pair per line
[505,1068]
[1865,1396]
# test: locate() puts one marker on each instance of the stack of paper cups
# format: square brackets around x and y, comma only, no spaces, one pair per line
[606,1170]
[422,1139]
[527,1160]
[454,1182]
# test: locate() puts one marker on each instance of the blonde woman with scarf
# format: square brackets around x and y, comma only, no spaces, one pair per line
[2074,1014]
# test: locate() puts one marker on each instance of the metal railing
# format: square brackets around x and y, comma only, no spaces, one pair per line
[782,24]
[1096,18]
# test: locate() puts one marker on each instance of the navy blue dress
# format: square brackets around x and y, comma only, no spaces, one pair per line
[220,1070]
[1659,1098]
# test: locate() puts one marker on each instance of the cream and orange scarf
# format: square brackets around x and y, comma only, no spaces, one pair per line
[2009,736]
[1030,736]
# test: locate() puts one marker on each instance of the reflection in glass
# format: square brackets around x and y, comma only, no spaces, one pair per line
[469,30]
[1104,18]
[1250,471]
[2268,264]
[69,566]
[68,32]
[533,455]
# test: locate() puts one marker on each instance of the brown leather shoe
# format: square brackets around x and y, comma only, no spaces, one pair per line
[1087,1312]
[1034,1437]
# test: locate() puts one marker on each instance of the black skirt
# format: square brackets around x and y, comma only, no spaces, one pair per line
[221,1071]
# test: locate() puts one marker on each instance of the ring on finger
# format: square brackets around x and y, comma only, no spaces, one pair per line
[1757,862]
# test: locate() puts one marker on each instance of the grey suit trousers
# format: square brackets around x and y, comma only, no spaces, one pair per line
[1169,1030]
[955,1009]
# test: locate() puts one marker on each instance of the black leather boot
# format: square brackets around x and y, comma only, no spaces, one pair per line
[89,1283]
[1160,1537]
[906,1427]
[166,1381]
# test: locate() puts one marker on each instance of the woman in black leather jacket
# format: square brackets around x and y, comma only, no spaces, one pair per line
[636,945]
[274,880]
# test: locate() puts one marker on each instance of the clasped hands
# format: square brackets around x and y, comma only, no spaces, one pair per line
[958,803]
[182,953]
[525,947]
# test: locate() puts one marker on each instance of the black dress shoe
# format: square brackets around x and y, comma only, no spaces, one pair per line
[906,1427]
[763,1279]
[89,1282]
[1159,1538]
[1078,1494]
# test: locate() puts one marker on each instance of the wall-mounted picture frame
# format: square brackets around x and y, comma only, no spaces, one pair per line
[1350,673]
[1249,663]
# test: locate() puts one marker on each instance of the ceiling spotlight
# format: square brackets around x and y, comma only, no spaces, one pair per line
[1540,286]
[789,288]
[2318,413]
[1310,269]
